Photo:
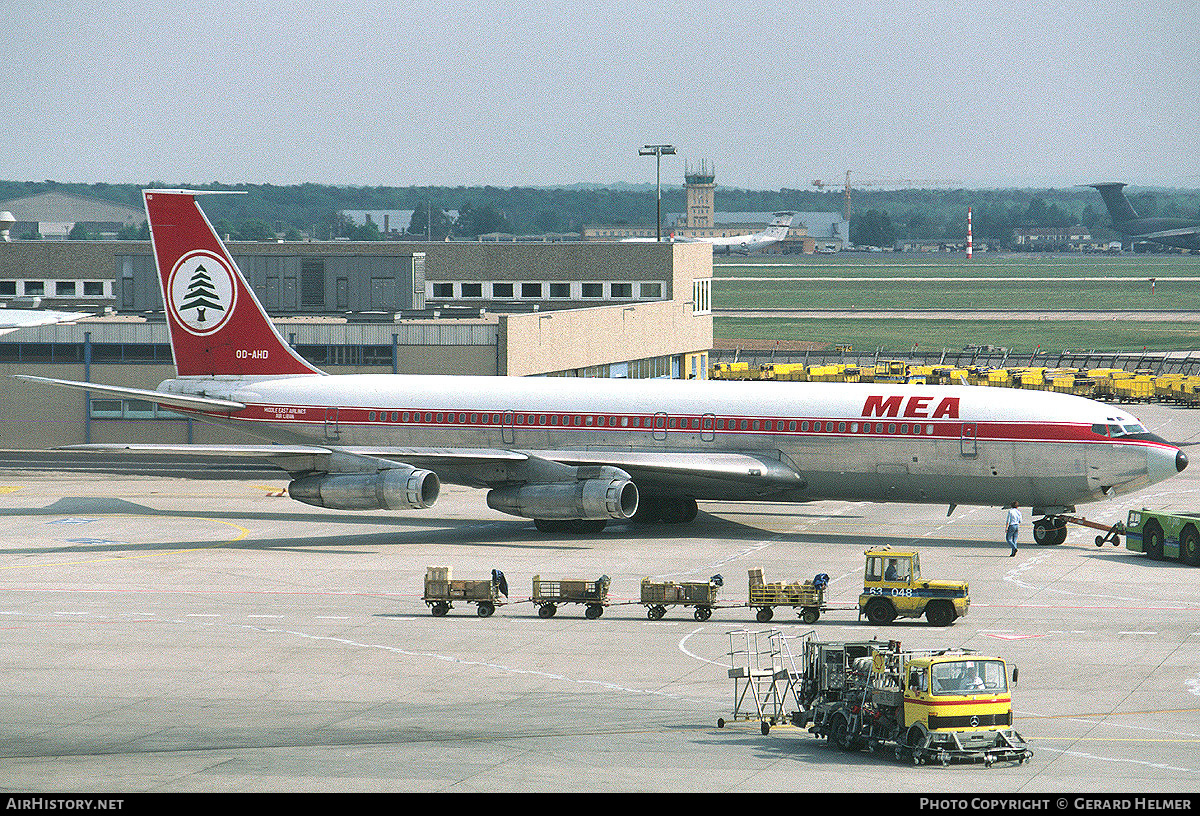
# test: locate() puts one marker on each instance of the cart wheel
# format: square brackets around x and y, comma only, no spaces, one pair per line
[810,615]
[655,612]
[439,610]
[594,611]
[765,728]
[765,613]
[702,613]
[720,722]
[1099,541]
[485,609]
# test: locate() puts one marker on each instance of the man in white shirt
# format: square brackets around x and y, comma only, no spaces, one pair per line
[1013,520]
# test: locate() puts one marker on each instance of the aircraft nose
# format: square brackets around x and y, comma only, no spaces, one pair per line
[1163,462]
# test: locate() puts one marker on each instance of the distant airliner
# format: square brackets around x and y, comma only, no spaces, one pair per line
[13,319]
[1176,232]
[744,244]
[573,454]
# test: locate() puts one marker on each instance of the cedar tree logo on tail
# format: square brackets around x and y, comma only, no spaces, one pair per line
[202,292]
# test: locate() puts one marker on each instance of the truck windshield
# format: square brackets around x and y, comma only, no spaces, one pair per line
[969,676]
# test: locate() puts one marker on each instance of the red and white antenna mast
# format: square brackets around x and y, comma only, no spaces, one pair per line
[970,242]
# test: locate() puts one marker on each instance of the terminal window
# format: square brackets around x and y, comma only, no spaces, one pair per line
[622,290]
[443,290]
[65,288]
[502,290]
[593,290]
[8,288]
[472,290]
[560,290]
[650,290]
[531,290]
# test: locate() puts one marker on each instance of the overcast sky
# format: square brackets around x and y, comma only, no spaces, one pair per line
[775,94]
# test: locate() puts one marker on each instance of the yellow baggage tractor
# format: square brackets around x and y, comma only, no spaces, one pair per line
[549,593]
[658,595]
[806,596]
[442,590]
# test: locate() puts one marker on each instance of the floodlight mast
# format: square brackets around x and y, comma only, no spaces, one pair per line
[658,151]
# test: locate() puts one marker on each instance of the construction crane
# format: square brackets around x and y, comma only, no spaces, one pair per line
[821,185]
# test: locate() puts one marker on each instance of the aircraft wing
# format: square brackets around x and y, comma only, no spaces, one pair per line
[692,473]
[1171,233]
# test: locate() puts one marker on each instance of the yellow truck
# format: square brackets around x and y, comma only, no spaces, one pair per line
[893,588]
[927,706]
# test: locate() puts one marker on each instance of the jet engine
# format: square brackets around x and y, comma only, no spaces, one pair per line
[393,489]
[608,495]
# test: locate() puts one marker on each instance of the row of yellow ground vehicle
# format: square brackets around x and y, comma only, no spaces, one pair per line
[892,588]
[1098,383]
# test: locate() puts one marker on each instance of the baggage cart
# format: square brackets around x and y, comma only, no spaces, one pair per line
[658,595]
[442,590]
[549,593]
[808,597]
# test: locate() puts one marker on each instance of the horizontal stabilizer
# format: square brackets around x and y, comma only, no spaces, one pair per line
[195,403]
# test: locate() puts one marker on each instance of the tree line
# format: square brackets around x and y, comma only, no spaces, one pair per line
[879,217]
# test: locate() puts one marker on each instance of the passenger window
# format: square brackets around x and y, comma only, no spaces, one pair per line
[841,427]
[804,426]
[928,429]
[792,425]
[371,416]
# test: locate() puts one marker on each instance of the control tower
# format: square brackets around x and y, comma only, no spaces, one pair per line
[699,185]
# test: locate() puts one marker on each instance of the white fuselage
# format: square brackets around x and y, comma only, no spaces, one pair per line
[874,442]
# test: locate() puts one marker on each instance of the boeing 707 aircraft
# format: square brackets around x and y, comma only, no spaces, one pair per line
[573,454]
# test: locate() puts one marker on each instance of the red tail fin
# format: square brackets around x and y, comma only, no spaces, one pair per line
[216,323]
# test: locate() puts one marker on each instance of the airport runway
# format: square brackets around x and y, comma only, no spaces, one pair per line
[162,634]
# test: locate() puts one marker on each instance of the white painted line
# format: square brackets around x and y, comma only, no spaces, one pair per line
[203,615]
[264,616]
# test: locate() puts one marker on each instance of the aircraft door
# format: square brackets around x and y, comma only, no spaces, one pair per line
[708,424]
[332,431]
[966,441]
[506,428]
[660,426]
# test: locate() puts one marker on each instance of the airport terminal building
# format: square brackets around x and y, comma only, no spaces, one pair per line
[516,309]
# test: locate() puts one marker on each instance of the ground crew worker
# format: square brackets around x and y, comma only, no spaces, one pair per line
[1013,519]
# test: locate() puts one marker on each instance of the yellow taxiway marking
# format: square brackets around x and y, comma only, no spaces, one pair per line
[6,489]
[242,533]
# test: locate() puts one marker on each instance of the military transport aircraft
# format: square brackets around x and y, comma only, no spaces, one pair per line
[1176,232]
[573,454]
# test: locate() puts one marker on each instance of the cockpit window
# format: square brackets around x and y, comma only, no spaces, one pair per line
[1100,429]
[1134,428]
[1115,430]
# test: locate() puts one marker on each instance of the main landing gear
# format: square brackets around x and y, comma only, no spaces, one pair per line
[1050,530]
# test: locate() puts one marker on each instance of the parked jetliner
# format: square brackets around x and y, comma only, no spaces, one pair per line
[575,453]
[13,319]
